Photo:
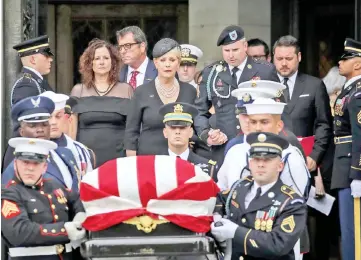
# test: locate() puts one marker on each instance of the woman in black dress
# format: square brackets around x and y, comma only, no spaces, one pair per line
[103,102]
[144,130]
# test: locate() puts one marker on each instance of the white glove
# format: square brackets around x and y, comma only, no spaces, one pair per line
[74,230]
[80,217]
[217,217]
[356,188]
[224,232]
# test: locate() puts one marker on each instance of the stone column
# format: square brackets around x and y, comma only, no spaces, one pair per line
[51,31]
[208,18]
[64,50]
[13,34]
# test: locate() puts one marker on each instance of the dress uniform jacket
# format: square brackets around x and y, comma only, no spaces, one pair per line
[269,227]
[29,84]
[215,89]
[35,216]
[60,156]
[208,166]
[347,129]
[295,173]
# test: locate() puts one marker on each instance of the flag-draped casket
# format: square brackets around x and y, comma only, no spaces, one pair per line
[146,191]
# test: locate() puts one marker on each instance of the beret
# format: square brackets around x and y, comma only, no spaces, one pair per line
[230,34]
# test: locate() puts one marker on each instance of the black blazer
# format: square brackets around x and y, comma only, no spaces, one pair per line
[310,113]
[150,73]
[144,128]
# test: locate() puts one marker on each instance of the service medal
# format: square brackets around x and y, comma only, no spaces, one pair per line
[263,225]
[257,224]
[269,225]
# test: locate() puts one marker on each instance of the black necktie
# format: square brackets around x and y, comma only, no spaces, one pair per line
[286,91]
[234,76]
[258,193]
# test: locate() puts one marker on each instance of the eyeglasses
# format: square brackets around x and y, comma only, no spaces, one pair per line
[126,46]
[260,57]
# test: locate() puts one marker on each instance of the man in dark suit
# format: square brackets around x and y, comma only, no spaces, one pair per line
[132,46]
[308,102]
[218,80]
[178,119]
[308,106]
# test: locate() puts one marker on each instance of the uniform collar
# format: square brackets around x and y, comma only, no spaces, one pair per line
[34,71]
[240,66]
[183,155]
[352,80]
[264,188]
[142,68]
[34,187]
[61,141]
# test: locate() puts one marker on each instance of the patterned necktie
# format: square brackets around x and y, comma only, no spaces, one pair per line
[286,91]
[234,76]
[133,79]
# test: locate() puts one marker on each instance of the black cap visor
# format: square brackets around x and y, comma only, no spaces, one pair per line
[264,152]
[27,156]
[178,123]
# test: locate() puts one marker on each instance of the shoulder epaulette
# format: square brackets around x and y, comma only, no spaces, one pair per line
[248,178]
[288,191]
[218,62]
[212,162]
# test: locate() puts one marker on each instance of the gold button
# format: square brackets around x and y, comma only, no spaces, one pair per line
[66,208]
[53,231]
[45,230]
[56,216]
[243,220]
[53,206]
[41,192]
[62,230]
[241,258]
[35,211]
[49,196]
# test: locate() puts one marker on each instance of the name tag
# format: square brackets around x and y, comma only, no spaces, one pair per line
[305,95]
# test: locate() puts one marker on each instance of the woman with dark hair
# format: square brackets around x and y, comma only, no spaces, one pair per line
[102,108]
[144,131]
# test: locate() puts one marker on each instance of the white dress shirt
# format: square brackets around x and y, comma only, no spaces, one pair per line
[295,173]
[142,69]
[290,83]
[35,71]
[183,155]
[352,80]
[240,68]
[252,193]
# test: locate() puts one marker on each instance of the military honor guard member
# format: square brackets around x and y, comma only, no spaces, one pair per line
[59,124]
[346,175]
[260,217]
[36,57]
[178,120]
[264,116]
[33,114]
[189,59]
[39,217]
[218,81]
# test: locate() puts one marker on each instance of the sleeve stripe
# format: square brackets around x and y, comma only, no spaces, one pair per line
[245,241]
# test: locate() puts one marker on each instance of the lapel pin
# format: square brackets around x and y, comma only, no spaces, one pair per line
[249,66]
[271,195]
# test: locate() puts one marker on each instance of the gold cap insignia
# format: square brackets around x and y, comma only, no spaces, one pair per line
[178,108]
[185,52]
[261,138]
[254,83]
[246,97]
[31,142]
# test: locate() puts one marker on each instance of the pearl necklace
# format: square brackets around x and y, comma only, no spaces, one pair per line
[167,92]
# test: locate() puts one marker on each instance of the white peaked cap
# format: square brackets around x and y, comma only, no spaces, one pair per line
[265,106]
[32,145]
[58,99]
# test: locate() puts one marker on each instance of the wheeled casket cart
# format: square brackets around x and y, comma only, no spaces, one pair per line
[148,207]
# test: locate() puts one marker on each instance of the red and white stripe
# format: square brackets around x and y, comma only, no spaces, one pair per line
[159,186]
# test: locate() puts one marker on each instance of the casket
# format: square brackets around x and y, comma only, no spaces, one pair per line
[148,207]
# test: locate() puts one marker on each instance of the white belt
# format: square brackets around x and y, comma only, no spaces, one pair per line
[40,250]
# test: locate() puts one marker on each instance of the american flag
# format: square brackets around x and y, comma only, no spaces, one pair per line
[158,186]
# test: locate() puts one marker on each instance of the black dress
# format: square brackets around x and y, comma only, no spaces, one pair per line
[102,120]
[144,131]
